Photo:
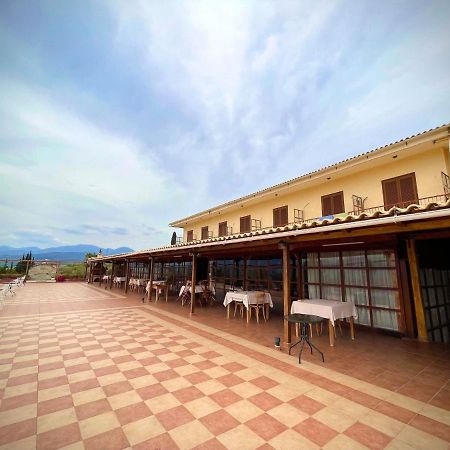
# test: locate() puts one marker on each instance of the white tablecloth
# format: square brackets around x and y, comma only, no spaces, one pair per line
[119,279]
[156,284]
[328,309]
[198,289]
[246,297]
[106,277]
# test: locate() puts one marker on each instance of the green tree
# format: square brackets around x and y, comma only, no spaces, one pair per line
[89,255]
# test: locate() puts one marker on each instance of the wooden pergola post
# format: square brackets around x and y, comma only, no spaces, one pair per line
[28,268]
[193,281]
[245,275]
[286,291]
[112,275]
[151,268]
[90,273]
[417,291]
[127,274]
[298,258]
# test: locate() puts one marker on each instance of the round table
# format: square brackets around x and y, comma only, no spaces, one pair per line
[304,320]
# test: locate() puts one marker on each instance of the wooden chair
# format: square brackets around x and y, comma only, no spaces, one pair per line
[258,305]
[238,304]
[207,295]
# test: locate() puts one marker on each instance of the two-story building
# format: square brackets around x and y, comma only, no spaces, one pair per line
[373,229]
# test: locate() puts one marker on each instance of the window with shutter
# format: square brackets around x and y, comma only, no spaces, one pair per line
[333,204]
[245,224]
[222,229]
[400,191]
[280,216]
[190,235]
[205,233]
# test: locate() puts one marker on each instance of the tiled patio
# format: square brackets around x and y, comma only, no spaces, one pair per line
[83,367]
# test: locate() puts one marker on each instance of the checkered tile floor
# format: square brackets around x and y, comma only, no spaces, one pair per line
[122,378]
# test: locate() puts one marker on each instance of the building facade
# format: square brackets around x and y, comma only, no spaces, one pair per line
[374,230]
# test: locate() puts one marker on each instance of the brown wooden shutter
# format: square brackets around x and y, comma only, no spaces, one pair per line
[400,191]
[223,228]
[280,216]
[284,219]
[205,233]
[276,217]
[327,206]
[190,235]
[408,190]
[245,224]
[333,204]
[337,201]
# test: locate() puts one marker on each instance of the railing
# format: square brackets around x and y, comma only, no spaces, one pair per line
[439,199]
[256,224]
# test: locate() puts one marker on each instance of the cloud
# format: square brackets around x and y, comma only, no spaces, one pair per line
[146,112]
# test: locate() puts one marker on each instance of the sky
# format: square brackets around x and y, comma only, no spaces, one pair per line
[118,117]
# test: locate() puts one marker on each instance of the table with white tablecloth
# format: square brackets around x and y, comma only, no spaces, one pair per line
[119,280]
[328,309]
[247,298]
[160,286]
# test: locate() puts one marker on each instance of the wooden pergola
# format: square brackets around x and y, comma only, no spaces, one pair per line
[289,243]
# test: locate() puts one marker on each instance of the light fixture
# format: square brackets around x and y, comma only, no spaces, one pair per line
[343,243]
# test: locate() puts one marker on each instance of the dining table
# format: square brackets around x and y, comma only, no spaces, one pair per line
[327,309]
[119,280]
[159,286]
[247,298]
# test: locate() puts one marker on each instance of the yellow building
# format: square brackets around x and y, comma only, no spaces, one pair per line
[373,229]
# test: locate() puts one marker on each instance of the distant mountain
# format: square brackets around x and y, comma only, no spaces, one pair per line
[66,253]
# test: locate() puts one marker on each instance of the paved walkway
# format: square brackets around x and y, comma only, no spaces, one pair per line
[81,368]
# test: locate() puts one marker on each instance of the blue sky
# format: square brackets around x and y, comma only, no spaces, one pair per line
[118,117]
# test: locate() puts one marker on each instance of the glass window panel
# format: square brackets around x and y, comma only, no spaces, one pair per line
[422,277]
[330,276]
[442,317]
[313,291]
[312,260]
[354,259]
[431,297]
[427,319]
[437,335]
[329,259]
[385,299]
[429,277]
[363,316]
[434,317]
[440,296]
[383,278]
[445,335]
[381,258]
[385,319]
[331,293]
[355,277]
[313,275]
[359,296]
[438,277]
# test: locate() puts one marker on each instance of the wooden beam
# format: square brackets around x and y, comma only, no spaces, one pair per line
[298,260]
[112,275]
[150,276]
[193,281]
[417,291]
[245,274]
[127,274]
[286,292]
